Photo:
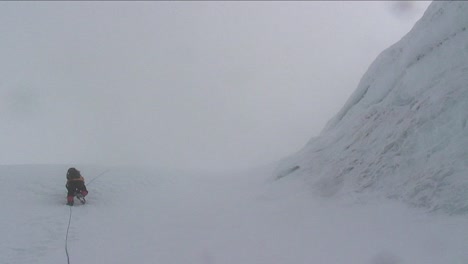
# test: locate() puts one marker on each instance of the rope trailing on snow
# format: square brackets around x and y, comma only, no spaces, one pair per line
[102,173]
[70,217]
[66,237]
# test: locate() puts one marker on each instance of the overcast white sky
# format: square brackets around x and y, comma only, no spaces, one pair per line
[193,85]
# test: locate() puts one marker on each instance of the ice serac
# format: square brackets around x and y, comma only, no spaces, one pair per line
[403,133]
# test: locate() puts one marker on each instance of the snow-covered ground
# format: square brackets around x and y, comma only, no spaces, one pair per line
[150,216]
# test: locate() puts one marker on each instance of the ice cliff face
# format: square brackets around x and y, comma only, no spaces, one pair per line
[403,133]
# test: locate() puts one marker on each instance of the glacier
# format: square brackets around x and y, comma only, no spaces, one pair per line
[399,142]
[403,132]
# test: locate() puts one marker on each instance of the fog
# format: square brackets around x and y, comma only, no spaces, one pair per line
[192,85]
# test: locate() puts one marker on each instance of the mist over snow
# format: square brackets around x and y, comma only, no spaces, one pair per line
[196,84]
[403,133]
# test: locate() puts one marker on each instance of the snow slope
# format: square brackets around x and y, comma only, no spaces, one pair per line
[150,216]
[403,133]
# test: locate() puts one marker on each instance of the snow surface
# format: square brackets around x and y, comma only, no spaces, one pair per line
[149,216]
[403,133]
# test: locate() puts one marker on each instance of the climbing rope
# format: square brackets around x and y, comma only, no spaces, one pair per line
[66,237]
[102,173]
[70,217]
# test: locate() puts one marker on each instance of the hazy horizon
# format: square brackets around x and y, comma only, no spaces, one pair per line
[191,85]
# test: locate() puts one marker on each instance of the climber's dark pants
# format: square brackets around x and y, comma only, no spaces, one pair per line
[73,186]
